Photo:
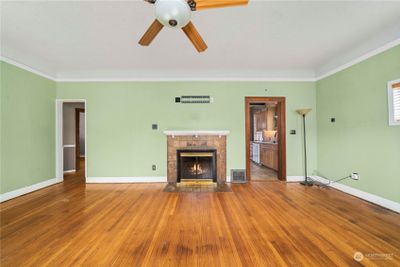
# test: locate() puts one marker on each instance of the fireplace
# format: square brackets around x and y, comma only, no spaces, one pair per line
[196,141]
[196,165]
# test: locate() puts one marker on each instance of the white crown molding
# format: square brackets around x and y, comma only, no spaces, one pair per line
[174,78]
[359,59]
[27,68]
[27,189]
[111,180]
[189,79]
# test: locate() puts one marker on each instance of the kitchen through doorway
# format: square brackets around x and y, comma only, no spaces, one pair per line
[264,144]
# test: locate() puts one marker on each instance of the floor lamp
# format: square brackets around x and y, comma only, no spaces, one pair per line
[303,112]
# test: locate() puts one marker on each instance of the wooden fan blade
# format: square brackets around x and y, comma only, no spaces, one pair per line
[204,4]
[151,33]
[194,37]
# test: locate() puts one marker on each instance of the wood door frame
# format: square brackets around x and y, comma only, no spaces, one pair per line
[281,109]
[78,111]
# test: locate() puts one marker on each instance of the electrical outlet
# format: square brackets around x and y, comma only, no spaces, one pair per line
[154,167]
[355,176]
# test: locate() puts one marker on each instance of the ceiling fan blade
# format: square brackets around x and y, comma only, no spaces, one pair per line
[194,37]
[205,4]
[151,33]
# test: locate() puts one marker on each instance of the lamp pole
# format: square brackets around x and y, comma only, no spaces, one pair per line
[303,113]
[305,182]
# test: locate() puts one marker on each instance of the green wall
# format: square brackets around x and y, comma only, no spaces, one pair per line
[361,138]
[121,143]
[27,128]
[119,117]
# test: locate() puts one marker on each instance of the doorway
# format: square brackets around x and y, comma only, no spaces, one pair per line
[71,133]
[265,138]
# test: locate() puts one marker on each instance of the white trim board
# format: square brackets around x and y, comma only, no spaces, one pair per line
[236,78]
[359,59]
[68,146]
[291,179]
[27,68]
[386,203]
[69,171]
[27,189]
[190,79]
[110,180]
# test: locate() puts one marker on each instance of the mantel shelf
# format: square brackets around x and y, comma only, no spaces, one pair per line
[195,133]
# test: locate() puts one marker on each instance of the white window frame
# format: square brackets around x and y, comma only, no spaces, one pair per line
[392,122]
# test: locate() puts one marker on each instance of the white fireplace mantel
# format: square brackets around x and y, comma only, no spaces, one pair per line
[195,133]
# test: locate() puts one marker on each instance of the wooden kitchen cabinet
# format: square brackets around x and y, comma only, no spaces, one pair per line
[264,119]
[269,155]
[259,120]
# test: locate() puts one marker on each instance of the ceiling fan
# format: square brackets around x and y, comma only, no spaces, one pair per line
[176,14]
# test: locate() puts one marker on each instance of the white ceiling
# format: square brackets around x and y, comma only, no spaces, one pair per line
[266,39]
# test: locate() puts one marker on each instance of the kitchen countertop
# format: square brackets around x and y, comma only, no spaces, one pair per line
[262,142]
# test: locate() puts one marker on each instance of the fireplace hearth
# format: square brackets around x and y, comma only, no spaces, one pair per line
[196,165]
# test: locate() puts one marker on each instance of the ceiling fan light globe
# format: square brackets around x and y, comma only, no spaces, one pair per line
[176,11]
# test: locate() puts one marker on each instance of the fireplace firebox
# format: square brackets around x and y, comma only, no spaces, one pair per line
[196,165]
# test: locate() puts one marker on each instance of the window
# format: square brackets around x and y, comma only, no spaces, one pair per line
[394,102]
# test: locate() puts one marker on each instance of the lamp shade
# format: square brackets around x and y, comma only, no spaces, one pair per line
[303,111]
[173,13]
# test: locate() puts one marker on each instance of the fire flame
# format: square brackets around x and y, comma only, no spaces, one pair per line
[196,168]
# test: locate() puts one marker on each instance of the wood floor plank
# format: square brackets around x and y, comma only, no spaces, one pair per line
[257,224]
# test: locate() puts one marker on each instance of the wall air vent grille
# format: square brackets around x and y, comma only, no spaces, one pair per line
[196,99]
[238,176]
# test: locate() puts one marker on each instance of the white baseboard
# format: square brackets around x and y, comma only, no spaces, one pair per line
[27,189]
[110,180]
[291,179]
[228,179]
[68,171]
[389,204]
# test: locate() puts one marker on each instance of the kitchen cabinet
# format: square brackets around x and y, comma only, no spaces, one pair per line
[264,119]
[269,155]
[260,122]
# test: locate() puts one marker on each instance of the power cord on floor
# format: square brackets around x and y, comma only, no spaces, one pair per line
[321,184]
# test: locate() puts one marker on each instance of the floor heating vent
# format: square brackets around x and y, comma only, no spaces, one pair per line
[238,176]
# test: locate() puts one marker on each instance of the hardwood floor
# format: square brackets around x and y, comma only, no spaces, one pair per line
[258,224]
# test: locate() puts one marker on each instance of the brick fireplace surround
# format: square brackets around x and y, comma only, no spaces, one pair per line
[177,140]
